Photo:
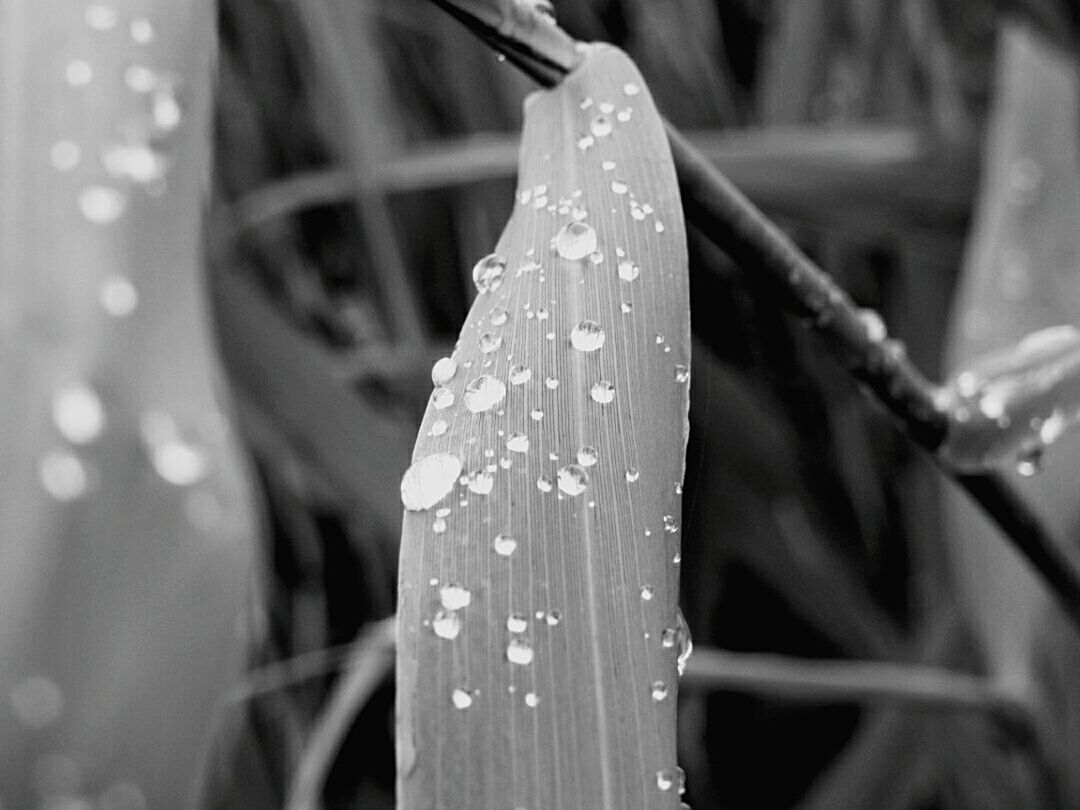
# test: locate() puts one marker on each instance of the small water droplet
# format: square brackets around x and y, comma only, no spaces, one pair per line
[78,413]
[443,511]
[517,442]
[636,212]
[586,103]
[504,545]
[488,273]
[585,142]
[552,617]
[520,374]
[532,700]
[65,155]
[536,414]
[540,201]
[454,596]
[601,126]
[658,226]
[587,336]
[596,258]
[551,382]
[631,89]
[442,398]
[602,392]
[165,109]
[671,526]
[632,475]
[542,314]
[141,31]
[543,483]
[519,651]
[63,475]
[572,480]
[587,456]
[685,643]
[444,370]
[78,73]
[606,107]
[484,393]
[665,780]
[575,240]
[481,482]
[438,526]
[429,480]
[118,296]
[628,271]
[138,163]
[1030,462]
[446,624]
[490,342]
[619,187]
[624,115]
[682,374]
[608,165]
[873,324]
[102,205]
[499,316]
[647,593]
[524,196]
[461,699]
[438,427]
[659,691]
[677,558]
[626,307]
[516,623]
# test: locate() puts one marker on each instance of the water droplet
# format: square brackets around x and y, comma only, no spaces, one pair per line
[628,271]
[606,107]
[542,314]
[444,370]
[659,691]
[596,258]
[539,201]
[100,17]
[481,482]
[488,273]
[678,489]
[676,558]
[118,296]
[516,623]
[178,462]
[63,475]
[165,109]
[671,526]
[490,342]
[585,142]
[543,483]
[142,31]
[499,316]
[631,89]
[438,526]
[135,162]
[572,480]
[626,307]
[519,651]
[524,196]
[587,456]
[632,475]
[665,780]
[520,375]
[551,382]
[438,428]
[647,593]
[685,643]
[454,596]
[636,212]
[532,700]
[602,392]
[442,511]
[601,126]
[619,187]
[429,480]
[442,398]
[484,393]
[78,413]
[1030,462]
[873,324]
[446,624]
[78,73]
[587,336]
[65,155]
[461,699]
[517,442]
[608,165]
[504,545]
[669,637]
[552,617]
[682,374]
[575,241]
[624,115]
[536,414]
[102,205]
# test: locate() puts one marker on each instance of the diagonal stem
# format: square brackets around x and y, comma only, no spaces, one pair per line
[857,337]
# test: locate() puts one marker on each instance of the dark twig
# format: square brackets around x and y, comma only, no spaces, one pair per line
[736,226]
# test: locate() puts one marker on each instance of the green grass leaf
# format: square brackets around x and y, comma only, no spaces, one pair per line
[536,584]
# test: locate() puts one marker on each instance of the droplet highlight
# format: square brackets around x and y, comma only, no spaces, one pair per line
[429,480]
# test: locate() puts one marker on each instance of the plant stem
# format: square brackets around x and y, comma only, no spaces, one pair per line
[858,338]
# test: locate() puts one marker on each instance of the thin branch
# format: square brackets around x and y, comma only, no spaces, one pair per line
[857,337]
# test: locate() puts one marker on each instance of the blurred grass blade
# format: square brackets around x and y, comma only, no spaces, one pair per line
[536,579]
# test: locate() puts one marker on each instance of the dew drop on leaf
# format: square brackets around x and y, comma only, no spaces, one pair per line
[572,480]
[438,427]
[685,643]
[504,545]
[499,316]
[587,336]
[454,596]
[682,374]
[532,700]
[488,273]
[461,699]
[659,691]
[601,126]
[118,296]
[543,483]
[519,375]
[575,241]
[536,414]
[670,524]
[602,392]
[442,398]
[78,413]
[429,480]
[481,482]
[552,617]
[484,393]
[551,382]
[519,651]
[516,623]
[63,475]
[102,205]
[631,89]
[665,780]
[608,165]
[647,593]
[628,271]
[517,442]
[632,475]
[587,456]
[490,342]
[443,371]
[439,526]
[619,187]
[446,624]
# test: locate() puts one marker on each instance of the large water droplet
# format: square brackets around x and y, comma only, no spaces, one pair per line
[519,651]
[873,324]
[443,371]
[575,241]
[602,392]
[488,273]
[516,623]
[454,596]
[517,442]
[429,480]
[519,375]
[628,271]
[78,413]
[504,544]
[572,480]
[446,624]
[587,456]
[461,699]
[587,336]
[490,342]
[484,393]
[601,126]
[659,691]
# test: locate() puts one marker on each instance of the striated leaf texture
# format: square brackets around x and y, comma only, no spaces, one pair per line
[536,586]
